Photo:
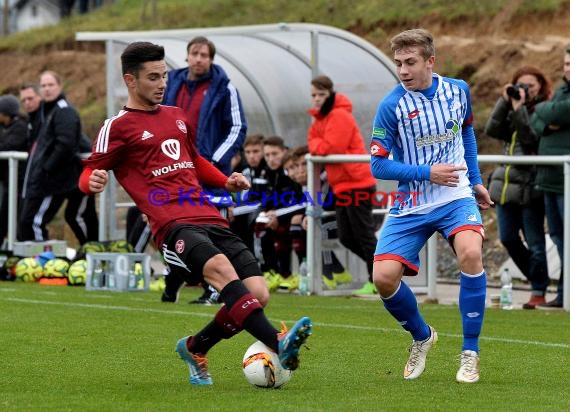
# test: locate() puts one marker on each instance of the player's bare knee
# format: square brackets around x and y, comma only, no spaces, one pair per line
[470,260]
[386,276]
[218,271]
[261,293]
[385,282]
[263,297]
[258,288]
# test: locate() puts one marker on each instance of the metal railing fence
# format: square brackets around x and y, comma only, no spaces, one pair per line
[314,211]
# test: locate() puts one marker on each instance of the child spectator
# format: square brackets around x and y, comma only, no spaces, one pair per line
[272,224]
[333,271]
[255,170]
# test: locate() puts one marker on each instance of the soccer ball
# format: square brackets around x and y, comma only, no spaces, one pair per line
[77,272]
[90,247]
[262,368]
[28,269]
[120,246]
[56,268]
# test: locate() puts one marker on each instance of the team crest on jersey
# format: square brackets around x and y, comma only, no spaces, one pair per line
[181,125]
[452,125]
[171,148]
[179,246]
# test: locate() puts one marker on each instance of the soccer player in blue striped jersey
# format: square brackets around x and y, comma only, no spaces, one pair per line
[425,124]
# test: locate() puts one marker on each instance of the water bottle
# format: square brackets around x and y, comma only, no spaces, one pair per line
[506,290]
[98,275]
[304,279]
[132,278]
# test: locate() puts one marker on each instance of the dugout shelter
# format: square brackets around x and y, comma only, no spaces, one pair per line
[271,66]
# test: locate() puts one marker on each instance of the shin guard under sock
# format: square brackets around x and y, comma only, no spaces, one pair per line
[247,313]
[222,327]
[472,308]
[403,306]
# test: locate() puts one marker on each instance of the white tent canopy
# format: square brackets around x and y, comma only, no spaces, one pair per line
[271,66]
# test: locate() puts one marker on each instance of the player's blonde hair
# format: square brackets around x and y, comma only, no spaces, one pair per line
[414,38]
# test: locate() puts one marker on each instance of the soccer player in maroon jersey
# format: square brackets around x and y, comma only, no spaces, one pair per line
[148,148]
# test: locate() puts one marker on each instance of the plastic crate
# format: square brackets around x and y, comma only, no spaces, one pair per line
[118,272]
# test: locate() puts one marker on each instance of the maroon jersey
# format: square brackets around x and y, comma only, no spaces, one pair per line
[155,161]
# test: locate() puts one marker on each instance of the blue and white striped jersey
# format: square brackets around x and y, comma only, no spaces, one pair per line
[424,128]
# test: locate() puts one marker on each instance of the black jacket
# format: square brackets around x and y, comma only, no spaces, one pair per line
[280,192]
[54,165]
[13,138]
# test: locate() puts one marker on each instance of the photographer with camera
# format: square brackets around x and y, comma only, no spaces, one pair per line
[519,205]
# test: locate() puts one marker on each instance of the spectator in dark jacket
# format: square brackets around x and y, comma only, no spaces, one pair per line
[551,121]
[31,101]
[254,170]
[272,225]
[13,132]
[53,169]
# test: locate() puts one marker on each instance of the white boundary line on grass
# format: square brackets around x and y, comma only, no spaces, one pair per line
[330,325]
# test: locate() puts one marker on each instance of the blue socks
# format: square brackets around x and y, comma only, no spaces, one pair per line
[472,308]
[403,306]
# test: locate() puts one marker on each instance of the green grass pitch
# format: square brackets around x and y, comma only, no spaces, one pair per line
[66,349]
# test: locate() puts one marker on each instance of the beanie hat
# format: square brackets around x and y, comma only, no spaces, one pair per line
[9,105]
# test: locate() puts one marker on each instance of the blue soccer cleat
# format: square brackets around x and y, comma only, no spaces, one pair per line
[198,364]
[290,342]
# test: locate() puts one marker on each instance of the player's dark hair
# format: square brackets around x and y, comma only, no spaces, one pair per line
[253,139]
[287,156]
[300,152]
[138,53]
[275,141]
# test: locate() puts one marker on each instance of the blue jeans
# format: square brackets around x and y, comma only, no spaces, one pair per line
[530,259]
[554,207]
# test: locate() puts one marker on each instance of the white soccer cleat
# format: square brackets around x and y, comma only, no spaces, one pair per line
[469,367]
[418,353]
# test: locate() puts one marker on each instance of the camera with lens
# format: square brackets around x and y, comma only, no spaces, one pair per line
[513,91]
